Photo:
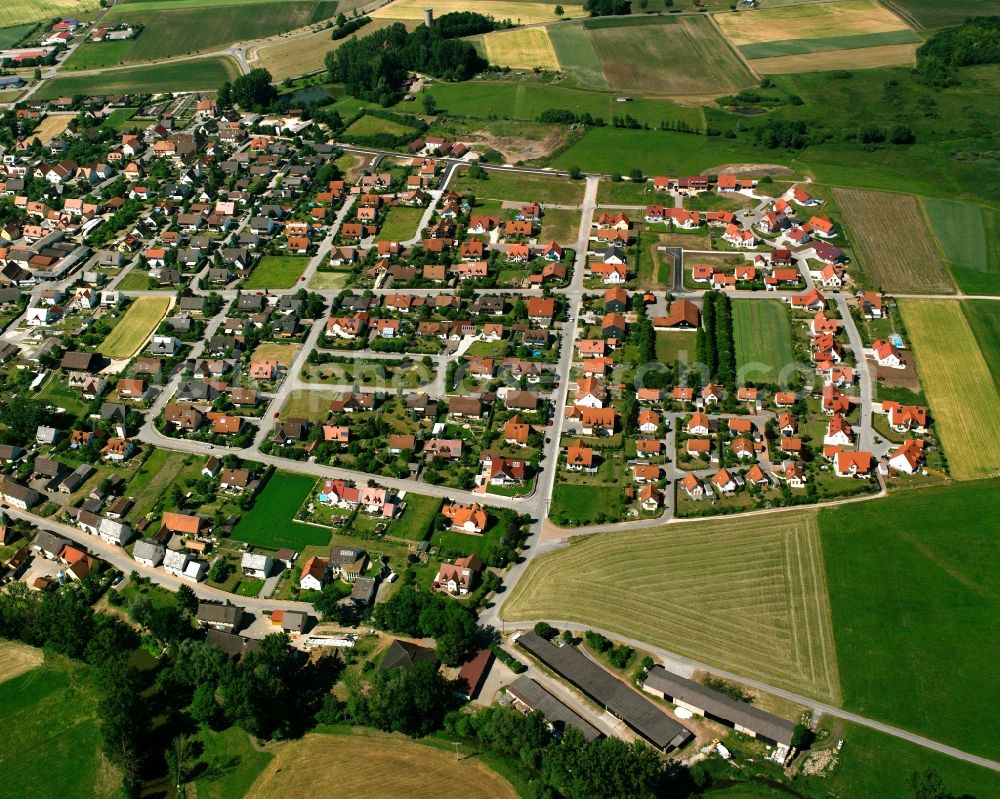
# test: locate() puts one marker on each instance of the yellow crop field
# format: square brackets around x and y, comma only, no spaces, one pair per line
[17,12]
[888,55]
[133,329]
[16,659]
[521,48]
[524,13]
[744,594]
[813,21]
[955,376]
[374,764]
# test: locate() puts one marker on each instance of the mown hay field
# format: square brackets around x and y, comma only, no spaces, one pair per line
[660,59]
[856,42]
[813,21]
[17,12]
[959,386]
[172,31]
[373,764]
[889,55]
[16,659]
[577,57]
[763,339]
[970,237]
[133,329]
[523,13]
[302,55]
[282,353]
[521,48]
[744,594]
[897,250]
[199,74]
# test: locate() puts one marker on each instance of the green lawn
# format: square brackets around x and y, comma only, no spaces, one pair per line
[585,504]
[763,339]
[370,126]
[203,74]
[269,523]
[984,319]
[276,272]
[229,763]
[421,513]
[55,748]
[11,36]
[501,185]
[56,392]
[675,345]
[915,595]
[400,224]
[98,55]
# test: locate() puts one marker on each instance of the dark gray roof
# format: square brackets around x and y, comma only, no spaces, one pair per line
[639,713]
[402,654]
[720,706]
[294,620]
[230,643]
[50,542]
[364,590]
[214,613]
[526,690]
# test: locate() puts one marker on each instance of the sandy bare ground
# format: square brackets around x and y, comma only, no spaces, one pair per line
[16,659]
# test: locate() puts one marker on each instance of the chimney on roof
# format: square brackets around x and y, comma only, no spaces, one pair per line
[428,17]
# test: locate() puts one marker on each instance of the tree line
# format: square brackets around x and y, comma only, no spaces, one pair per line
[714,342]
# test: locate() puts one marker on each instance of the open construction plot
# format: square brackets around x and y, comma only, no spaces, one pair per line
[17,12]
[135,328]
[958,382]
[522,188]
[915,590]
[282,353]
[660,59]
[763,340]
[517,11]
[970,237]
[743,594]
[16,659]
[521,48]
[276,272]
[369,763]
[400,223]
[890,234]
[53,125]
[170,31]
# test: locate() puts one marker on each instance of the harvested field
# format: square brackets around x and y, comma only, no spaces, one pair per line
[657,59]
[521,48]
[17,12]
[381,765]
[896,249]
[855,42]
[523,13]
[303,55]
[53,125]
[746,594]
[813,21]
[198,74]
[135,328]
[959,386]
[16,659]
[890,55]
